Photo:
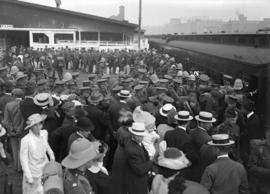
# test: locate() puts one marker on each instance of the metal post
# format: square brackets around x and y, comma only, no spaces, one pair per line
[140,23]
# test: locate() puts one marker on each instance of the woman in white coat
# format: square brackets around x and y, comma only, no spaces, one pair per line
[34,147]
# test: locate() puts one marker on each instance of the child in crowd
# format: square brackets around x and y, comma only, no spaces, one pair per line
[151,138]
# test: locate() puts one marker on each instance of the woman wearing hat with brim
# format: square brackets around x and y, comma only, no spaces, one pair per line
[82,155]
[33,154]
[170,179]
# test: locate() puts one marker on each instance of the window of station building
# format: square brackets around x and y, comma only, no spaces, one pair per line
[63,38]
[111,36]
[40,38]
[89,36]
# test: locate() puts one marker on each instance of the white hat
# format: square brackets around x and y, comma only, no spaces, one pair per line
[34,119]
[137,129]
[67,77]
[192,77]
[42,99]
[206,117]
[2,131]
[173,159]
[77,103]
[220,140]
[183,116]
[164,110]
[124,93]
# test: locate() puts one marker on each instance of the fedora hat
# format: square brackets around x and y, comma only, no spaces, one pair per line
[220,140]
[42,99]
[34,119]
[173,159]
[124,94]
[95,97]
[137,129]
[183,116]
[2,131]
[205,117]
[84,124]
[164,110]
[81,151]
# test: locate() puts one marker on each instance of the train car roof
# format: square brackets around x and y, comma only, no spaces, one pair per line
[250,55]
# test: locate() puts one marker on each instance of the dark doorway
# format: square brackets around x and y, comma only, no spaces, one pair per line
[17,38]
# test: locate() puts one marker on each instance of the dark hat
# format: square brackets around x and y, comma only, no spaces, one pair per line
[153,99]
[85,89]
[30,88]
[86,83]
[92,76]
[105,77]
[59,83]
[117,88]
[161,89]
[42,82]
[75,75]
[70,83]
[128,80]
[17,92]
[178,81]
[68,105]
[142,70]
[95,97]
[163,81]
[101,81]
[142,82]
[138,87]
[167,99]
[84,124]
[168,77]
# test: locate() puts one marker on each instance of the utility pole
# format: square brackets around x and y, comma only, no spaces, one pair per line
[140,23]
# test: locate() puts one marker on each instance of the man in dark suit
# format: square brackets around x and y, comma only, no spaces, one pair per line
[100,119]
[179,139]
[138,162]
[253,128]
[27,106]
[115,108]
[224,175]
[200,134]
[114,114]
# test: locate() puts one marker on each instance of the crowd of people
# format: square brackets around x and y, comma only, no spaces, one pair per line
[141,122]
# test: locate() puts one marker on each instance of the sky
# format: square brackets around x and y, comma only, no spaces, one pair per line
[159,12]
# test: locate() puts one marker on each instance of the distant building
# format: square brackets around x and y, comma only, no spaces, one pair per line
[121,14]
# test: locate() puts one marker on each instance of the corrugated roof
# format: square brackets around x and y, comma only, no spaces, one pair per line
[64,11]
[251,55]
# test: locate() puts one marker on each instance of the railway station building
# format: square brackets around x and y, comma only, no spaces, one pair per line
[39,26]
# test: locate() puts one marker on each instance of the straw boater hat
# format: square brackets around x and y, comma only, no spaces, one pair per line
[34,119]
[183,116]
[173,159]
[137,129]
[164,110]
[81,151]
[220,140]
[124,94]
[205,117]
[42,99]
